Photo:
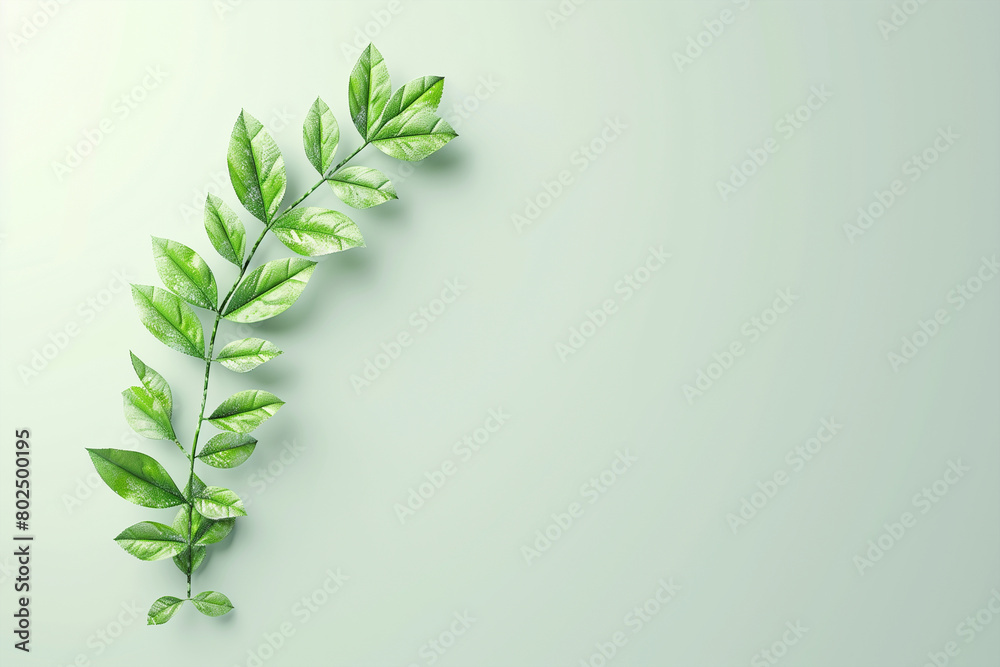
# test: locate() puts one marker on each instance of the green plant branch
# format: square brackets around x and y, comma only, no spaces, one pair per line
[211,351]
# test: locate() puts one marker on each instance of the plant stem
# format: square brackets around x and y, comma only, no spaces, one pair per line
[211,351]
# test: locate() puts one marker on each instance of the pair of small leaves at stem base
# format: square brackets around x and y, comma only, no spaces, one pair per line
[210,603]
[402,124]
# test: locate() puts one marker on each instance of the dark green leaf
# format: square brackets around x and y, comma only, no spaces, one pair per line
[205,530]
[183,559]
[256,168]
[227,450]
[169,319]
[269,290]
[136,477]
[149,540]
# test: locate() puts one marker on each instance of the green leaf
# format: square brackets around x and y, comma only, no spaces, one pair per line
[154,384]
[368,91]
[215,502]
[169,319]
[183,559]
[256,168]
[227,450]
[320,136]
[211,603]
[205,530]
[185,273]
[317,231]
[137,478]
[413,135]
[269,290]
[362,187]
[149,540]
[423,93]
[246,354]
[146,414]
[225,230]
[245,410]
[163,610]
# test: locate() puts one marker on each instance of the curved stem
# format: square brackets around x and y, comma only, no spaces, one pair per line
[211,351]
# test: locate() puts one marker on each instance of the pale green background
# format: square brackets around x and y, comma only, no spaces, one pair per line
[332,506]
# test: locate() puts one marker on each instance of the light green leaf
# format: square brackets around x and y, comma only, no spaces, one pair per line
[183,559]
[227,450]
[163,610]
[362,187]
[423,93]
[317,231]
[185,273]
[137,478]
[368,91]
[146,414]
[205,530]
[256,168]
[154,383]
[320,136]
[413,135]
[169,319]
[245,410]
[225,230]
[215,502]
[245,355]
[149,540]
[211,603]
[269,290]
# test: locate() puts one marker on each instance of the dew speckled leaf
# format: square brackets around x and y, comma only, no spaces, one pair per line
[256,168]
[269,290]
[227,450]
[146,414]
[246,354]
[163,610]
[320,136]
[362,187]
[413,135]
[154,384]
[183,559]
[245,410]
[368,91]
[225,230]
[136,477]
[185,273]
[423,93]
[205,530]
[171,320]
[149,540]
[215,502]
[212,603]
[317,231]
